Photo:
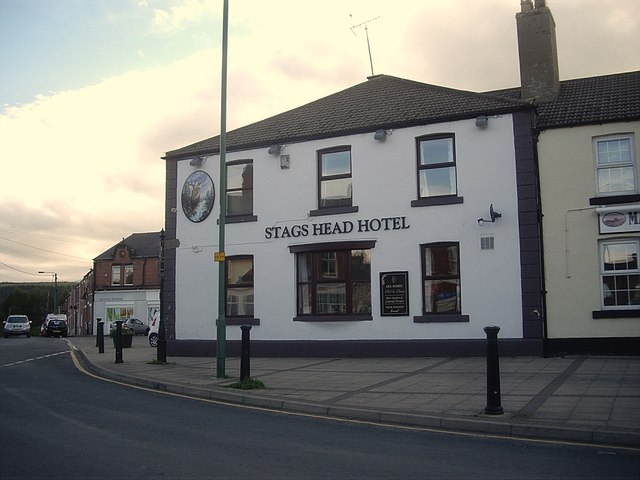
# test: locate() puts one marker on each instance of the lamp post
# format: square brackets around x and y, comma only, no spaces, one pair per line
[221,325]
[55,290]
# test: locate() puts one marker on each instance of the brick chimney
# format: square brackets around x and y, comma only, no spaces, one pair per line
[539,75]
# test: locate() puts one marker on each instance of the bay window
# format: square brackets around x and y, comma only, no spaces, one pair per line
[333,283]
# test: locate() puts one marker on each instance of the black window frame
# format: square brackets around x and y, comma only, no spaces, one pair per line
[446,199]
[239,319]
[333,209]
[442,316]
[245,216]
[316,250]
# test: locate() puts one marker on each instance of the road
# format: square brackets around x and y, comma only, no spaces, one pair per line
[58,422]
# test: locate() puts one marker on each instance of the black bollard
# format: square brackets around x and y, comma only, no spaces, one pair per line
[245,355]
[97,340]
[118,338]
[493,373]
[100,334]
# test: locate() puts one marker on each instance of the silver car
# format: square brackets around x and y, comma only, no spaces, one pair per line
[17,325]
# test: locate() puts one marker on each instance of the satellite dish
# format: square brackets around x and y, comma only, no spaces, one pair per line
[493,214]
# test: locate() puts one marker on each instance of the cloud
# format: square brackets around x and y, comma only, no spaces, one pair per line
[182,15]
[85,165]
[87,162]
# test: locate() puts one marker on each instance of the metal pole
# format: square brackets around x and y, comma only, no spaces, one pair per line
[245,355]
[366,31]
[55,293]
[118,343]
[493,372]
[221,333]
[161,349]
[100,335]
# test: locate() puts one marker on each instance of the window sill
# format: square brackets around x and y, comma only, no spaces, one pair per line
[631,313]
[332,211]
[440,318]
[444,200]
[239,219]
[333,318]
[236,321]
[614,199]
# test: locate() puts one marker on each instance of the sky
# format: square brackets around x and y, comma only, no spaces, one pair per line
[93,93]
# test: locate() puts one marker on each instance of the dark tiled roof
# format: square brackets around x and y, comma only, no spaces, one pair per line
[140,245]
[589,101]
[382,101]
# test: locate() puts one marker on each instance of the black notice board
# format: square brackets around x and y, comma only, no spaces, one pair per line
[394,294]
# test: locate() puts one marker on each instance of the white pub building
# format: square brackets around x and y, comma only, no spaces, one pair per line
[394,218]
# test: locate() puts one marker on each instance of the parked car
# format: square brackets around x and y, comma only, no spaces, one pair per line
[56,327]
[133,324]
[17,325]
[52,316]
[137,326]
[153,331]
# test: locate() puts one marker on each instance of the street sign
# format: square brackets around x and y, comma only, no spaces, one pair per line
[218,257]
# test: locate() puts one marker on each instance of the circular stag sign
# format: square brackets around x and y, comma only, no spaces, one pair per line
[198,196]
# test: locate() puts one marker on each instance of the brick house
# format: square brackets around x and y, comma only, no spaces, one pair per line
[127,279]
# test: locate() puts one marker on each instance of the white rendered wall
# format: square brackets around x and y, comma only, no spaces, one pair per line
[139,300]
[572,269]
[384,184]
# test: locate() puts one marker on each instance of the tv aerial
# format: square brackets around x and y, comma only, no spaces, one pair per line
[366,31]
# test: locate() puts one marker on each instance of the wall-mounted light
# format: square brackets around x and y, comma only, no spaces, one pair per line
[482,121]
[197,161]
[285,162]
[381,135]
[275,150]
[493,215]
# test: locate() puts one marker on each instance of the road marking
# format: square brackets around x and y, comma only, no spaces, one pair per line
[33,359]
[349,420]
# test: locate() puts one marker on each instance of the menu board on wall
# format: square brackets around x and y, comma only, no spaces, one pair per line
[394,294]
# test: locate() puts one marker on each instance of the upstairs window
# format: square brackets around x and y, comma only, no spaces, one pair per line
[620,274]
[115,274]
[436,166]
[128,274]
[240,188]
[615,165]
[334,178]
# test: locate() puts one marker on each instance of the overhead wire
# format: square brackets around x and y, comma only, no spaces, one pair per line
[51,237]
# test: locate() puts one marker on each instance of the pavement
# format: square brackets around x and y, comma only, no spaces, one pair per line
[583,399]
